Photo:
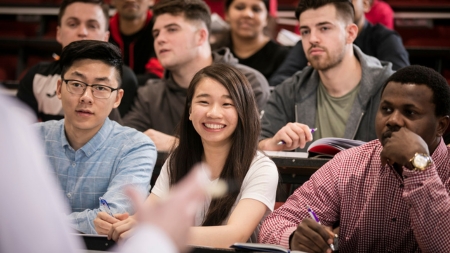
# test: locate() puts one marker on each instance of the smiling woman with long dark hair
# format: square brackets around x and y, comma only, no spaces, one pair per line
[220,127]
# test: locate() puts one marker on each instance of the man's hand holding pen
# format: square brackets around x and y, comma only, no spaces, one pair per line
[311,236]
[103,222]
[293,135]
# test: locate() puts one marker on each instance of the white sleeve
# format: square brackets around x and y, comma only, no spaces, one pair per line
[32,216]
[161,188]
[261,181]
[148,239]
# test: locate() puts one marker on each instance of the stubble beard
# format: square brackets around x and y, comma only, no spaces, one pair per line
[131,15]
[326,62]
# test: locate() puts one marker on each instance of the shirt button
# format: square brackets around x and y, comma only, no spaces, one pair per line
[69,195]
[394,219]
[73,164]
[401,186]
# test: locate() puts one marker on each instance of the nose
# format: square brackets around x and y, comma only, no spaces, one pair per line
[313,38]
[215,111]
[82,31]
[395,120]
[87,97]
[248,12]
[160,39]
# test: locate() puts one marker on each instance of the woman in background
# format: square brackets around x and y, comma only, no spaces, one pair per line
[220,127]
[247,39]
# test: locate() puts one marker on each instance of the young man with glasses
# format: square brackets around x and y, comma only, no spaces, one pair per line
[91,155]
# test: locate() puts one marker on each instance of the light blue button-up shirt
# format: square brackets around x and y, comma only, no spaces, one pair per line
[115,157]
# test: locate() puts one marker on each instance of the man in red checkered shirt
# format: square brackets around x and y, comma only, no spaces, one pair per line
[389,195]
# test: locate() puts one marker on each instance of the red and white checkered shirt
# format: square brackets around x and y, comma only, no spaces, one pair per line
[378,210]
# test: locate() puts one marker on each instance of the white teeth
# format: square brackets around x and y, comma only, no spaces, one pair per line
[214,126]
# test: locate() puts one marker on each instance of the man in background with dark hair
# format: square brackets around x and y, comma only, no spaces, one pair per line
[389,195]
[77,20]
[374,40]
[338,94]
[131,30]
[91,155]
[181,33]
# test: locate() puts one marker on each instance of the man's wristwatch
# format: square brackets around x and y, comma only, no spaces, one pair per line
[420,162]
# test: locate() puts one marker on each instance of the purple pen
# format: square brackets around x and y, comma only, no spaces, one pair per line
[314,217]
[283,142]
[313,214]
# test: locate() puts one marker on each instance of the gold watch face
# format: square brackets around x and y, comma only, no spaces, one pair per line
[421,161]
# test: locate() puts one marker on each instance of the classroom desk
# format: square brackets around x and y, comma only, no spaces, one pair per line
[292,170]
[297,170]
[98,244]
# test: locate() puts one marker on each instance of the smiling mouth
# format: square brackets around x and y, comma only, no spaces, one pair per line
[246,24]
[214,126]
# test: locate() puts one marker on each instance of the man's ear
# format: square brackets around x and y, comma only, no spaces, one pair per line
[443,123]
[118,98]
[203,36]
[58,88]
[352,33]
[367,5]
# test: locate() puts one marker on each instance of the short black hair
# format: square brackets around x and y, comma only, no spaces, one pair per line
[94,50]
[343,7]
[421,75]
[229,2]
[196,10]
[65,3]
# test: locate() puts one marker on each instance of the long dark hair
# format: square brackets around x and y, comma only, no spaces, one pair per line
[244,139]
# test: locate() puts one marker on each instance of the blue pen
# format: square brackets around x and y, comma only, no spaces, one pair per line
[314,217]
[105,206]
[283,142]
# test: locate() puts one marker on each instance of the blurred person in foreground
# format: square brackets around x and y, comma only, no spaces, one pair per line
[27,186]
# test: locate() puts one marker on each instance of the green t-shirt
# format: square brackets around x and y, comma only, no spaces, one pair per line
[333,112]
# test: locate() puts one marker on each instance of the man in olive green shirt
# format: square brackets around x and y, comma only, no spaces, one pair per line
[339,93]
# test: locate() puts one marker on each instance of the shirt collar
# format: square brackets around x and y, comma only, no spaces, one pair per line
[93,144]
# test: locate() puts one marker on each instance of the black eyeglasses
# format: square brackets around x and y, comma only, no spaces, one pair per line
[78,88]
